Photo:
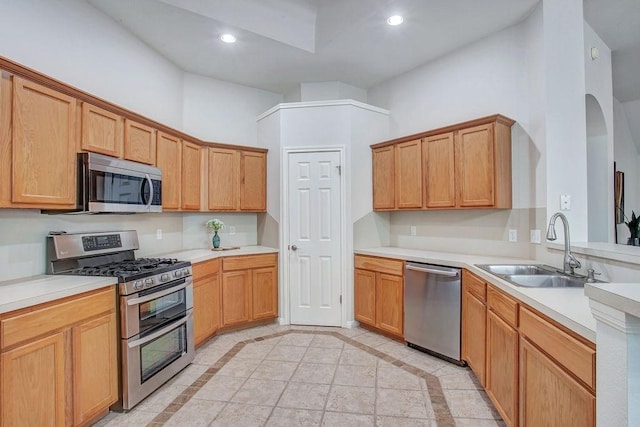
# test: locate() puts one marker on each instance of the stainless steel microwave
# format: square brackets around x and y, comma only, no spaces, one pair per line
[110,185]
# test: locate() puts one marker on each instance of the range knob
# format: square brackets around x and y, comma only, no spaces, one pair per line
[148,282]
[164,277]
[185,271]
[177,273]
[138,284]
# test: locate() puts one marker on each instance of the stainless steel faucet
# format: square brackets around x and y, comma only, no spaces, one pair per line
[570,262]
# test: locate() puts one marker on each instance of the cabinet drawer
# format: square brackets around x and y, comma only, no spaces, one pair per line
[29,325]
[575,356]
[205,268]
[474,285]
[503,306]
[249,262]
[381,265]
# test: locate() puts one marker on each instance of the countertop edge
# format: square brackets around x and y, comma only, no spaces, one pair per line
[616,296]
[441,258]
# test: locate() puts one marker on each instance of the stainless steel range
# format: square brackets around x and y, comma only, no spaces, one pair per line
[155,300]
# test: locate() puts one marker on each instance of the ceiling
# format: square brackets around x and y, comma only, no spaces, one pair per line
[281,43]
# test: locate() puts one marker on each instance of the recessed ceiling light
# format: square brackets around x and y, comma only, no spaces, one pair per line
[228,38]
[395,20]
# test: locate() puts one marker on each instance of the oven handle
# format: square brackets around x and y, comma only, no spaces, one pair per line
[156,295]
[157,334]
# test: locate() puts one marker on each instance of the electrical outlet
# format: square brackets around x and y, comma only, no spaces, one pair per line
[535,236]
[159,234]
[513,235]
[413,230]
[565,202]
[232,230]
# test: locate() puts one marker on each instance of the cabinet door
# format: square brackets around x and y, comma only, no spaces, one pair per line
[502,367]
[44,146]
[34,392]
[139,142]
[548,395]
[224,179]
[5,139]
[235,297]
[264,293]
[365,296]
[390,303]
[474,317]
[206,307]
[475,166]
[384,178]
[95,367]
[102,131]
[191,176]
[253,183]
[169,160]
[438,162]
[409,174]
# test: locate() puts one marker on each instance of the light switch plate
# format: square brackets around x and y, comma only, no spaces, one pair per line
[565,202]
[413,230]
[232,230]
[159,234]
[513,235]
[535,236]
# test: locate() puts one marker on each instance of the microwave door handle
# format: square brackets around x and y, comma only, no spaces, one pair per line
[161,332]
[148,178]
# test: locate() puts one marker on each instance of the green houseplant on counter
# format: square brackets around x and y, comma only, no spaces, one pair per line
[217,225]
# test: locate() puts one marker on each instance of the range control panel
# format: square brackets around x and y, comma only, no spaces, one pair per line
[107,241]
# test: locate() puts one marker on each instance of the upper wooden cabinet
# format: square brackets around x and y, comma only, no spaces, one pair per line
[438,170]
[237,180]
[169,160]
[5,139]
[102,131]
[384,178]
[409,174]
[139,142]
[191,176]
[44,146]
[462,166]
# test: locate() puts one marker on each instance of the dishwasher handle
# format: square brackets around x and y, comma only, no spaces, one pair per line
[432,271]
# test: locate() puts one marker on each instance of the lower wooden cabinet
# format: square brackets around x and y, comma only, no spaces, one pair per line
[206,299]
[249,289]
[549,396]
[379,294]
[59,361]
[474,324]
[535,372]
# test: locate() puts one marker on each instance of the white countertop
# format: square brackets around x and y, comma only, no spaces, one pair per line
[567,306]
[199,255]
[27,292]
[621,296]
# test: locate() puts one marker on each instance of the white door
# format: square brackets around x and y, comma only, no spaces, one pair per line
[314,238]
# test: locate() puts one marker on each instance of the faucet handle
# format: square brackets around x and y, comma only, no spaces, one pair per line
[591,273]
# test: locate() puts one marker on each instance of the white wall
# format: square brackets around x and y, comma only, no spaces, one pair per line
[74,42]
[219,111]
[327,91]
[627,161]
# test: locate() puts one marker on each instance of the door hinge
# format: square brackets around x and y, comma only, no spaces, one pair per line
[339,167]
[340,299]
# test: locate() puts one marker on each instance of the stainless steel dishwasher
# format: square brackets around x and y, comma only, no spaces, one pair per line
[432,298]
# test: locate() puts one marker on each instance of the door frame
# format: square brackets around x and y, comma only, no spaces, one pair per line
[285,318]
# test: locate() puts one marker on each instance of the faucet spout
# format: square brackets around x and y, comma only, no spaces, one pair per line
[570,262]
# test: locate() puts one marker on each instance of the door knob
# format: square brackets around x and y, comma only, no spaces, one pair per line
[294,248]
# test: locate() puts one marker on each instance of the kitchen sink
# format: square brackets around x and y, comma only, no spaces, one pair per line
[546,281]
[534,275]
[517,269]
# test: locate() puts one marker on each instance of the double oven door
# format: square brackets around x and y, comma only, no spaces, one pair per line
[156,337]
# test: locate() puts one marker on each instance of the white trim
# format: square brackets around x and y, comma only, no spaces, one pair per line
[615,318]
[284,229]
[608,251]
[332,103]
[351,324]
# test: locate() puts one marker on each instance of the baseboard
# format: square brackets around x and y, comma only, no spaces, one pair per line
[352,324]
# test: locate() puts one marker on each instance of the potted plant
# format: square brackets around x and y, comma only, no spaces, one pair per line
[633,225]
[217,225]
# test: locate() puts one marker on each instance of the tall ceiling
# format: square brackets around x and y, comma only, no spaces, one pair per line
[281,43]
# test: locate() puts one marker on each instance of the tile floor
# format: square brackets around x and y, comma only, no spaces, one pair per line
[311,376]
